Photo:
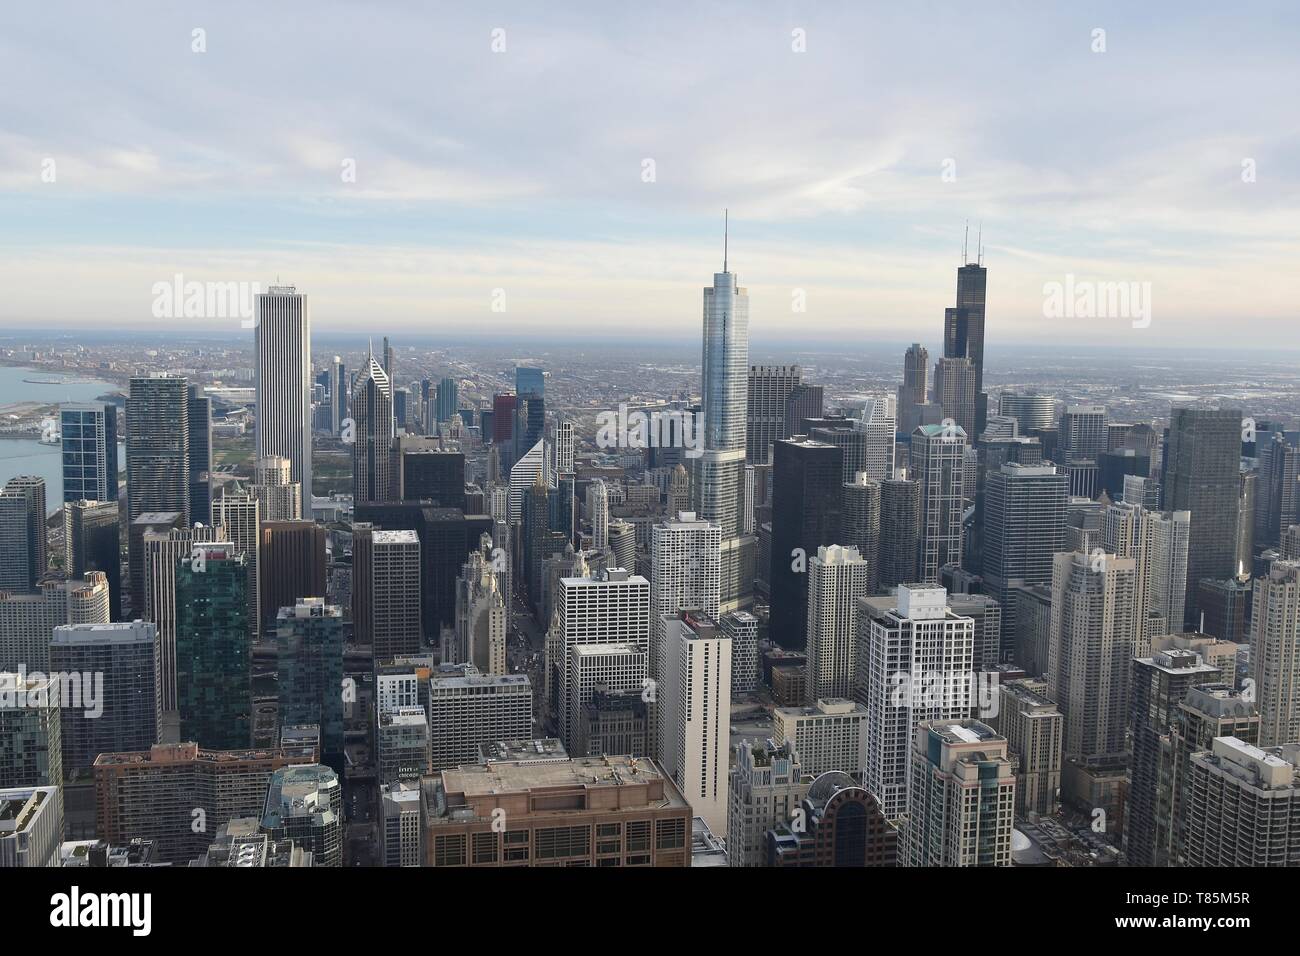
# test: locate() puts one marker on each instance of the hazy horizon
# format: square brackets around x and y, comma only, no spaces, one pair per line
[572,167]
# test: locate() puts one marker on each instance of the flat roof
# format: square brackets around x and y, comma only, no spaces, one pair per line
[524,775]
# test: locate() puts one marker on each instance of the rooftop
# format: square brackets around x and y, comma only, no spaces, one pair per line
[520,776]
[546,748]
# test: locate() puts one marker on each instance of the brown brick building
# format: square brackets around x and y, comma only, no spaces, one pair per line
[179,795]
[588,811]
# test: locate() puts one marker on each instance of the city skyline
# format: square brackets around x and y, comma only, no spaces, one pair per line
[631,464]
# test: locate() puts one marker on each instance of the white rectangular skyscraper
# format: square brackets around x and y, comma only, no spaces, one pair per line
[284,380]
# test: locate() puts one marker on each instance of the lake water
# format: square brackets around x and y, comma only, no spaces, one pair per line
[27,456]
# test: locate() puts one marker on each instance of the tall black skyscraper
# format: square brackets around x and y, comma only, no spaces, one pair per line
[1201,475]
[200,438]
[963,326]
[1023,526]
[807,483]
[157,460]
[433,474]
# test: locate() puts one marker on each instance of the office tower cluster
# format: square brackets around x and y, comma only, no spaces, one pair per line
[961,619]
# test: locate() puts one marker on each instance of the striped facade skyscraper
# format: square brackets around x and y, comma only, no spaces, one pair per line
[284,380]
[937,455]
[769,388]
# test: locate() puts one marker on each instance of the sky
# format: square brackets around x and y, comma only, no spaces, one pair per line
[564,167]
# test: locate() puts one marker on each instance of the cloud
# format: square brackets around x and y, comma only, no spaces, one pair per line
[526,167]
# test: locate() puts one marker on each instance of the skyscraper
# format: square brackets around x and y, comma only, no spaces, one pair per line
[158,793]
[955,392]
[598,514]
[765,787]
[163,546]
[837,577]
[936,456]
[915,389]
[768,388]
[129,713]
[611,608]
[213,648]
[157,461]
[445,401]
[961,807]
[1158,544]
[481,614]
[879,423]
[278,498]
[27,620]
[807,481]
[339,395]
[915,665]
[900,528]
[1160,684]
[1277,503]
[1090,649]
[31,753]
[696,692]
[1032,411]
[1082,439]
[1208,711]
[89,434]
[1024,526]
[1247,810]
[720,484]
[309,642]
[1275,652]
[1200,474]
[283,343]
[685,556]
[523,475]
[386,605]
[972,283]
[23,556]
[237,513]
[200,442]
[92,542]
[292,565]
[860,524]
[1032,724]
[373,432]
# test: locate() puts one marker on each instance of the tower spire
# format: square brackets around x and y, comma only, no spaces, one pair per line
[965,244]
[979,245]
[725,229]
